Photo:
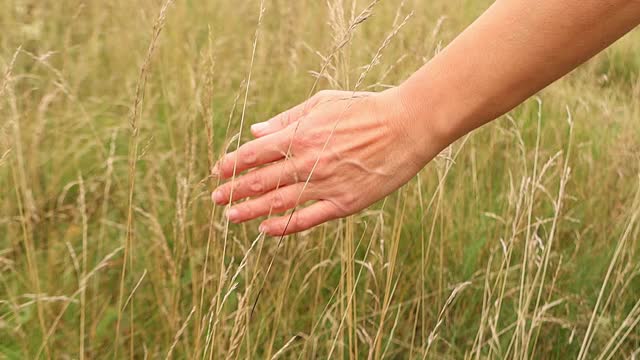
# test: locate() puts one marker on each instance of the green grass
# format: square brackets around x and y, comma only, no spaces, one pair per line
[65,170]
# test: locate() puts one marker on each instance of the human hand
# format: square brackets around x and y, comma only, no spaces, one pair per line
[341,150]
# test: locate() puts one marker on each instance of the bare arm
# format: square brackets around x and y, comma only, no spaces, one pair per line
[345,153]
[516,48]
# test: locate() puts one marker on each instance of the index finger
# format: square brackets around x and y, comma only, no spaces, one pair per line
[255,153]
[284,119]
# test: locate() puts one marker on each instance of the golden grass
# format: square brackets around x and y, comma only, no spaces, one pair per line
[518,241]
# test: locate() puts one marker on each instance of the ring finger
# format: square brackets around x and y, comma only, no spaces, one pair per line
[258,182]
[276,201]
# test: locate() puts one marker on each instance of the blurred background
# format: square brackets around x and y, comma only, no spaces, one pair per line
[521,240]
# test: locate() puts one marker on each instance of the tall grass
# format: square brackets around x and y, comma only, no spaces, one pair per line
[518,241]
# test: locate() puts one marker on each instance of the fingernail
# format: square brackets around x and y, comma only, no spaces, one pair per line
[218,197]
[233,214]
[215,171]
[259,127]
[263,228]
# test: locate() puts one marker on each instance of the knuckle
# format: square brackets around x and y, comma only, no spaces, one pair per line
[284,119]
[316,137]
[255,184]
[277,201]
[291,172]
[309,139]
[325,166]
[301,221]
[249,156]
[299,141]
[345,204]
[325,160]
[307,164]
[322,171]
[349,200]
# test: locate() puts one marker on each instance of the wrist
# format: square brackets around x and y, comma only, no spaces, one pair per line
[402,123]
[424,118]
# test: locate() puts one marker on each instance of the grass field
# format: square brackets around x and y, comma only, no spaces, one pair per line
[521,240]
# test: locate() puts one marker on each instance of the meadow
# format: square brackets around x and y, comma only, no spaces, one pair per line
[519,241]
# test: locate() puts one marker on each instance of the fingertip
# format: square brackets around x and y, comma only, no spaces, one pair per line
[219,197]
[233,215]
[260,129]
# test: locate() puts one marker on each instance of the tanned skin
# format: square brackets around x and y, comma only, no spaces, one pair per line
[342,151]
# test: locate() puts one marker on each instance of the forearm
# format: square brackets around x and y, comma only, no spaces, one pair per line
[516,48]
[344,156]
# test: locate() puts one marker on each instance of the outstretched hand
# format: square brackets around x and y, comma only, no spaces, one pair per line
[341,151]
